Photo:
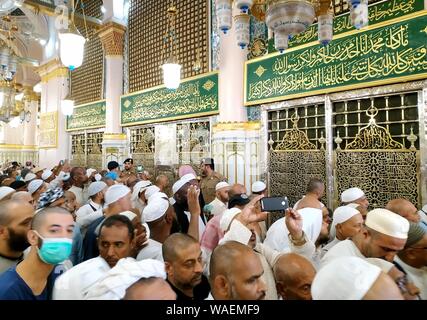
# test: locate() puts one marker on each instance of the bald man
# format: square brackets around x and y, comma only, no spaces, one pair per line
[184,267]
[15,220]
[294,275]
[405,209]
[162,182]
[236,189]
[235,273]
[150,289]
[23,196]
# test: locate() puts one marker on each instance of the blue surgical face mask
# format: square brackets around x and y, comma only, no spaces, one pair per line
[54,250]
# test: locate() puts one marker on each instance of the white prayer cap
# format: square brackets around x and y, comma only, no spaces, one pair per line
[34,185]
[424,208]
[351,195]
[29,176]
[96,187]
[90,171]
[344,278]
[258,186]
[155,209]
[221,185]
[5,191]
[228,217]
[151,190]
[126,272]
[353,205]
[181,182]
[389,223]
[157,195]
[172,201]
[46,174]
[115,193]
[129,214]
[98,177]
[140,187]
[341,215]
[64,176]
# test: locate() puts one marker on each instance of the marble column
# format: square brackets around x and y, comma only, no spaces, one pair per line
[235,141]
[54,80]
[115,145]
[30,127]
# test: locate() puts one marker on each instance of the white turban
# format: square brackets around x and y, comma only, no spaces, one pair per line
[344,278]
[351,195]
[150,191]
[221,185]
[157,195]
[35,185]
[341,215]
[258,186]
[98,177]
[353,205]
[115,193]
[5,191]
[155,209]
[29,176]
[129,214]
[96,187]
[46,174]
[181,182]
[127,271]
[228,217]
[140,187]
[89,172]
[389,223]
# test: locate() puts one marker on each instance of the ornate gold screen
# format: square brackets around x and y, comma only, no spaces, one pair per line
[294,158]
[142,144]
[147,26]
[87,79]
[193,143]
[383,165]
[86,150]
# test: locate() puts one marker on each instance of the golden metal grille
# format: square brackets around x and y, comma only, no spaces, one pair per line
[86,150]
[147,25]
[142,144]
[92,8]
[398,114]
[193,143]
[87,79]
[310,121]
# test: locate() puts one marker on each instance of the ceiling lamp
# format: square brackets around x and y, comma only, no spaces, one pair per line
[67,104]
[72,44]
[8,64]
[171,68]
[286,18]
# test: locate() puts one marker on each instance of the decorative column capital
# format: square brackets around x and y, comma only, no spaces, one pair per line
[30,95]
[112,38]
[52,69]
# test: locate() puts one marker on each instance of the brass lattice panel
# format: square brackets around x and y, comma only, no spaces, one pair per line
[147,25]
[311,121]
[193,142]
[382,174]
[397,113]
[78,150]
[142,145]
[87,79]
[86,150]
[92,8]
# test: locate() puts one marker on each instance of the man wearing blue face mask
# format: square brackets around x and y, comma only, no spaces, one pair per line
[50,238]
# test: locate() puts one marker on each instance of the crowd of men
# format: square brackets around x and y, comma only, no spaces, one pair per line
[70,233]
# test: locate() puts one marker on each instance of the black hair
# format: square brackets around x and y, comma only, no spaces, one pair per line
[314,184]
[112,165]
[119,221]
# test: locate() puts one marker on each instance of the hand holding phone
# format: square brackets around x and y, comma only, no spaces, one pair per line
[272,204]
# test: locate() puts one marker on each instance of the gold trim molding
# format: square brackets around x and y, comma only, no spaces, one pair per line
[52,69]
[234,126]
[18,147]
[114,136]
[112,38]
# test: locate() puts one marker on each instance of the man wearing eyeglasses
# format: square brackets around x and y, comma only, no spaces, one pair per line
[412,260]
